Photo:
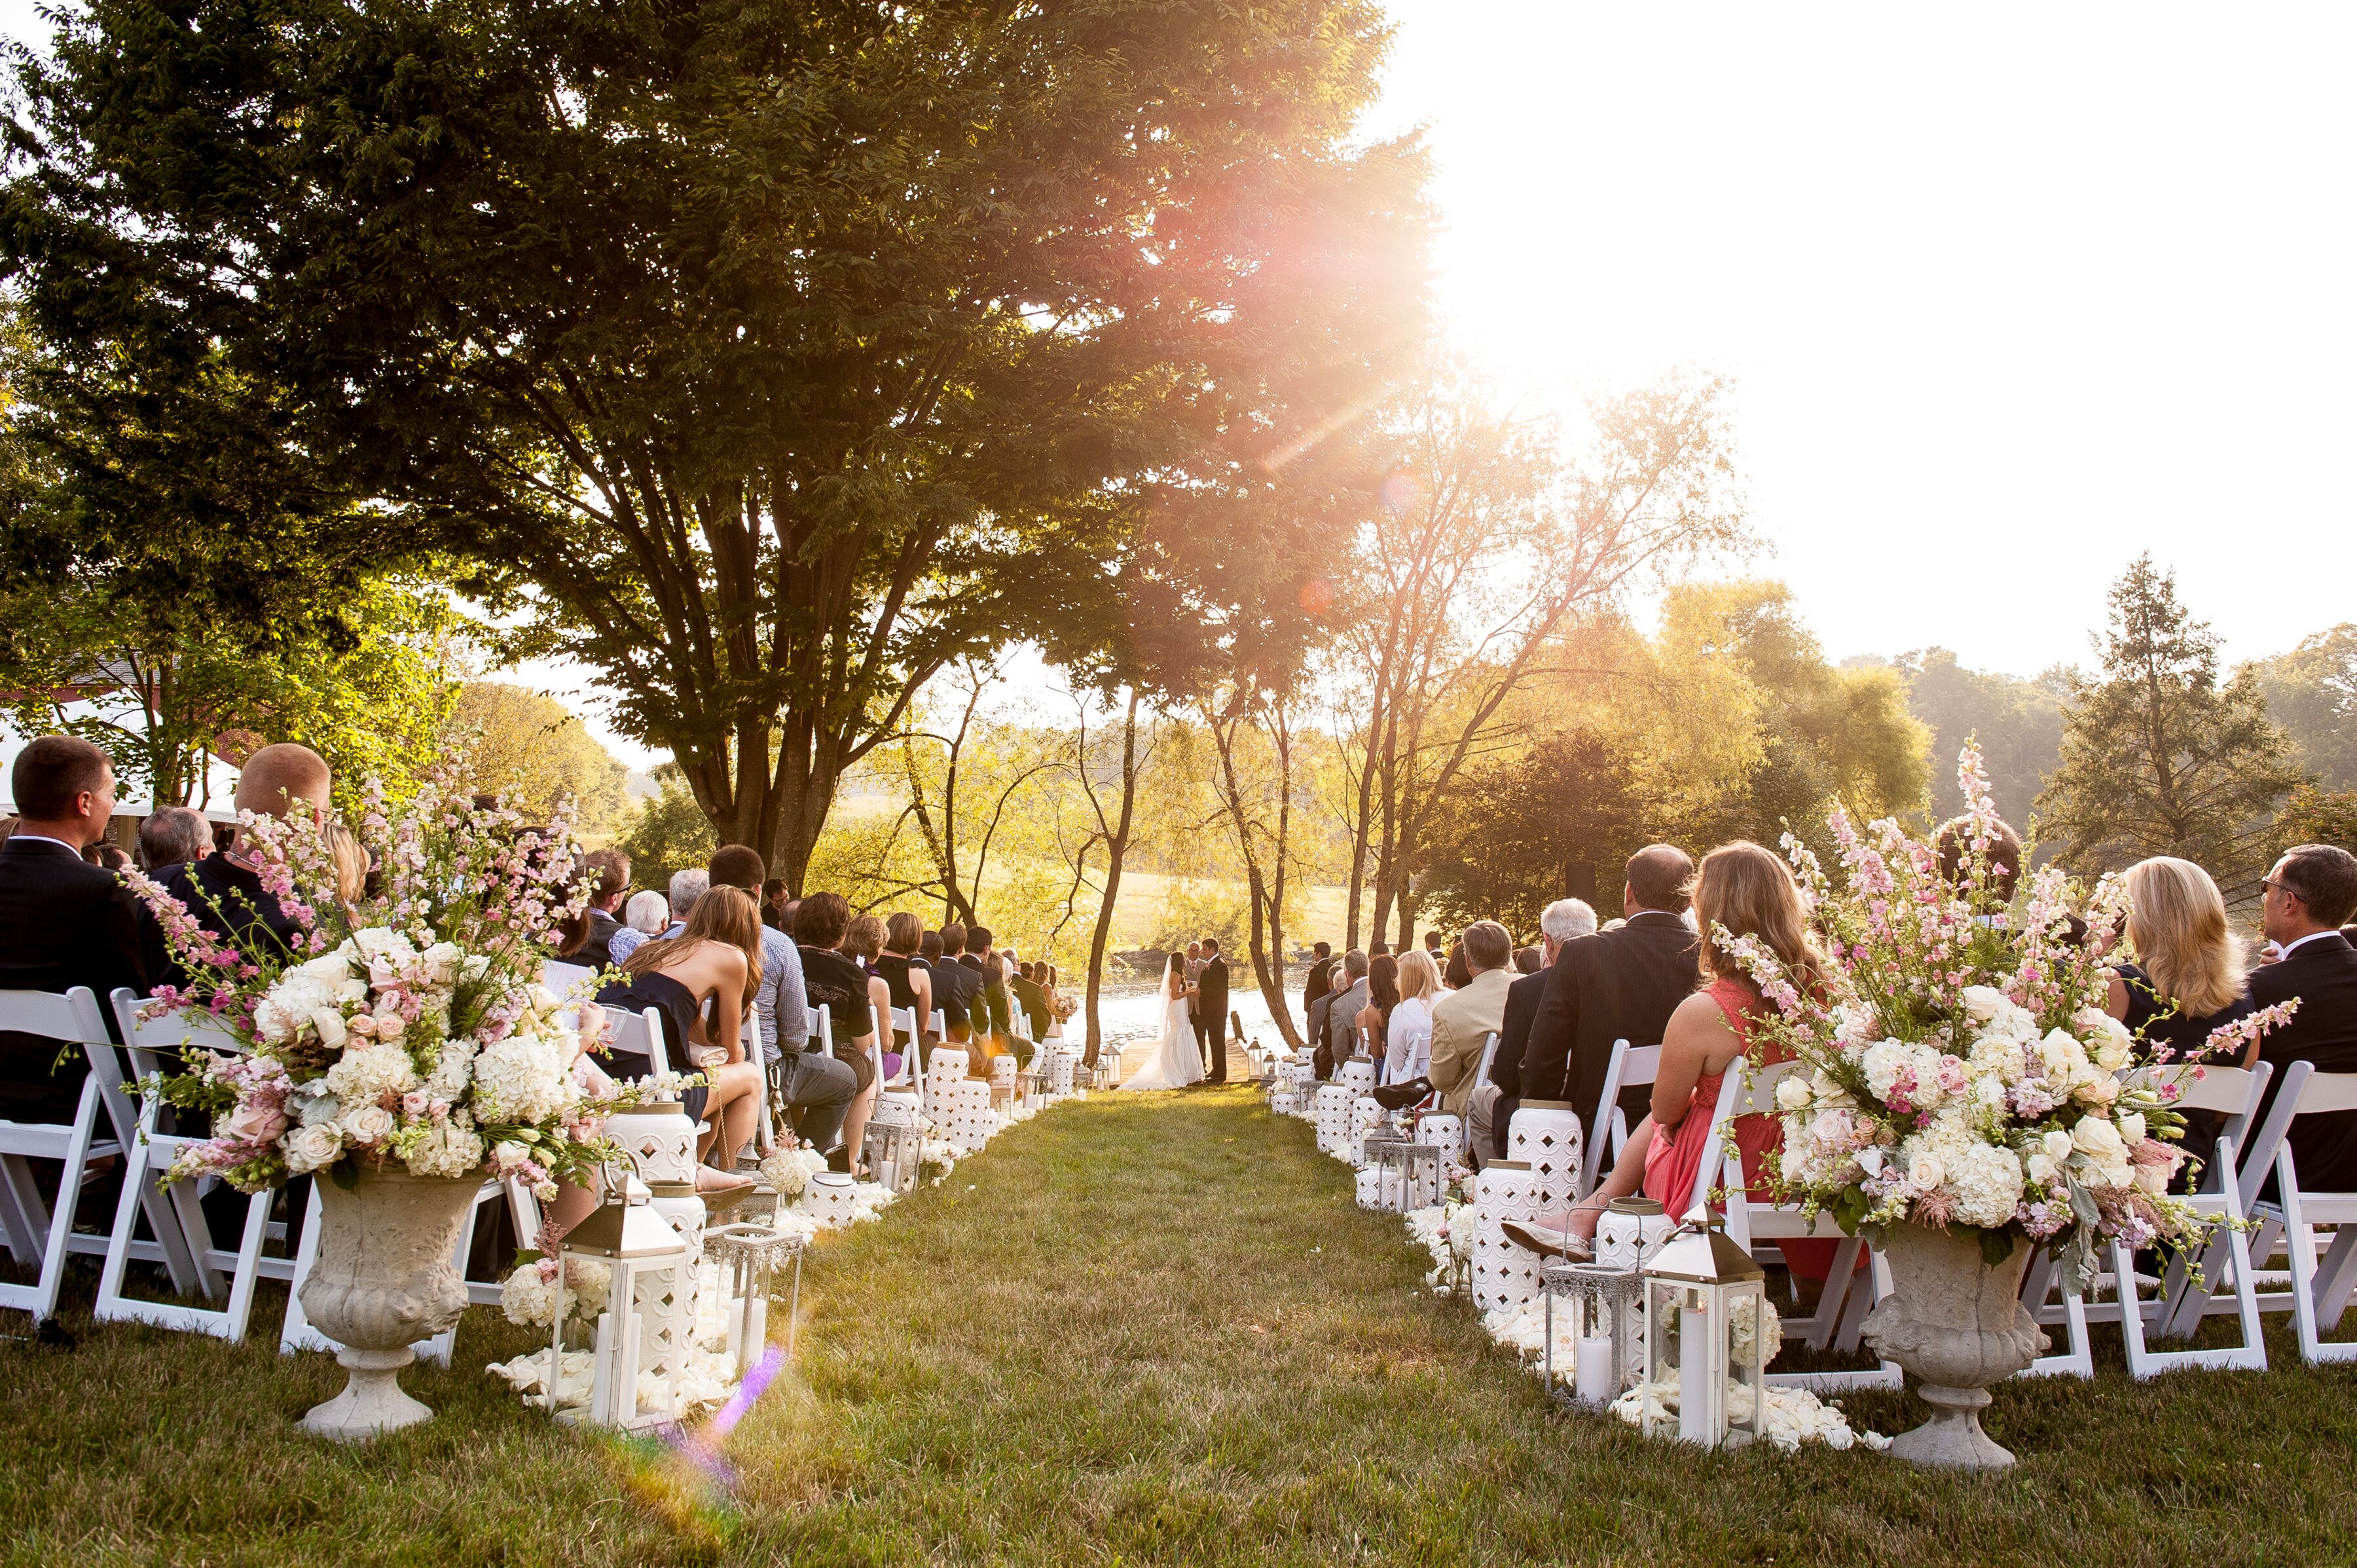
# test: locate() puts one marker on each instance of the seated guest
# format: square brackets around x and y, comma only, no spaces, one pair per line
[955,986]
[1339,1040]
[1032,997]
[1407,1033]
[1375,1016]
[1953,842]
[773,903]
[224,891]
[686,887]
[63,922]
[2304,901]
[833,980]
[1466,1017]
[1564,922]
[2189,975]
[1751,892]
[1528,961]
[777,1011]
[1618,985]
[1320,981]
[1456,972]
[699,981]
[612,869]
[907,982]
[987,1012]
[174,836]
[644,917]
[107,855]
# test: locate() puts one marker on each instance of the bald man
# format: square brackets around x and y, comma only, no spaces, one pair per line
[223,891]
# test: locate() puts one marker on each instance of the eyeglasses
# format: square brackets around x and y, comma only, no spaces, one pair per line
[2272,885]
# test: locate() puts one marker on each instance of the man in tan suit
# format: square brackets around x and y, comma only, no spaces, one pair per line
[1463,1019]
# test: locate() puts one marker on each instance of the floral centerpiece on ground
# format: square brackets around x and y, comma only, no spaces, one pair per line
[407,1027]
[1956,1067]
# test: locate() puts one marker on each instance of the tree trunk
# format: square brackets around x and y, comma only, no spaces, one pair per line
[1116,852]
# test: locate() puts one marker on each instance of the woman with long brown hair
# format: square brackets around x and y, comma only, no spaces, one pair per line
[1749,892]
[702,981]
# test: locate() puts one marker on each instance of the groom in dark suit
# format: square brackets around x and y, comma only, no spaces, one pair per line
[2305,899]
[1212,1009]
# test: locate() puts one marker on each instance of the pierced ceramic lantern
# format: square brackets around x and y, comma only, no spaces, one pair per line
[1700,1290]
[625,1235]
[750,1257]
[1546,1135]
[827,1198]
[1598,1309]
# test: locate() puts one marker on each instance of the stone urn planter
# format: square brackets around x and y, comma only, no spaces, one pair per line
[1956,1322]
[383,1280]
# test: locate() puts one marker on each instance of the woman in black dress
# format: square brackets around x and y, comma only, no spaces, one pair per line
[834,980]
[909,980]
[2190,975]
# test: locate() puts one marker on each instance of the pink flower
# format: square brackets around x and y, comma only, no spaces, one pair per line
[258,1120]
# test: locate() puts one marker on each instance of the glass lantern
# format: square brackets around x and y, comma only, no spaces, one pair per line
[1597,1308]
[750,1257]
[1700,1290]
[891,1151]
[1407,1174]
[649,1267]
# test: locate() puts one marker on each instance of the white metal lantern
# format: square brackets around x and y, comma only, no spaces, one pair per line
[750,1257]
[1598,1310]
[1705,1301]
[891,1151]
[628,1236]
[1407,1173]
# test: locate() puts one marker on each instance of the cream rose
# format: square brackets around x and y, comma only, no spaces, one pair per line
[1792,1092]
[313,1147]
[369,1124]
[330,1023]
[1925,1172]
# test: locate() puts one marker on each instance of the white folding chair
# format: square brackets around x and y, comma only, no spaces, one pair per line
[1631,1066]
[2320,1287]
[153,1046]
[42,1233]
[559,979]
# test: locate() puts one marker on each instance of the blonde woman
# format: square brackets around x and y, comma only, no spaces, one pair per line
[2189,975]
[1407,1036]
[1751,892]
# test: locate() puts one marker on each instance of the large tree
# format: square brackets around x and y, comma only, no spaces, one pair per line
[2158,755]
[765,356]
[2311,691]
[2018,722]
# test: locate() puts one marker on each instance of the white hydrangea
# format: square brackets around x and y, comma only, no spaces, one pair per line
[527,1299]
[788,1171]
[1884,1062]
[522,1079]
[448,1149]
[383,943]
[1986,1183]
[453,1072]
[370,1073]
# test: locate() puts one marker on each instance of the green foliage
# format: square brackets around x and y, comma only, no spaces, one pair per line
[2158,757]
[2311,691]
[2319,816]
[2018,723]
[672,833]
[514,741]
[765,357]
[1576,795]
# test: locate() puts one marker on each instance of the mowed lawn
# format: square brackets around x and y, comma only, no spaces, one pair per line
[1133,1331]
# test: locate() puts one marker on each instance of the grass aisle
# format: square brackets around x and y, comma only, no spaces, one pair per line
[1136,1331]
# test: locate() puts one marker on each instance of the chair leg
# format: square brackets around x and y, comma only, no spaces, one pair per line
[2336,1277]
[53,1258]
[23,1231]
[296,1333]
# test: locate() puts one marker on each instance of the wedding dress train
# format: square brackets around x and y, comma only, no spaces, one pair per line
[1176,1063]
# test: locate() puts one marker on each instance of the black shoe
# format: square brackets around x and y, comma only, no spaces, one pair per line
[1400,1095]
[50,1332]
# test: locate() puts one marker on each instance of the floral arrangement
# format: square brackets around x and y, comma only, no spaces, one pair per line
[788,1170]
[528,1296]
[406,1026]
[1955,1065]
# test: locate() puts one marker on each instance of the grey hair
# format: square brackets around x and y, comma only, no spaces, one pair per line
[1566,918]
[173,835]
[686,887]
[1354,964]
[647,912]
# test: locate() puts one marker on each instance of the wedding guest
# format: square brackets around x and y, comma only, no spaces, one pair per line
[699,980]
[836,982]
[989,1010]
[174,836]
[2190,972]
[1320,979]
[1528,961]
[1407,1033]
[350,859]
[1621,986]
[1468,1016]
[644,917]
[63,922]
[1032,997]
[1563,922]
[1375,1016]
[1749,891]
[686,887]
[1432,943]
[612,869]
[955,986]
[223,892]
[773,903]
[2304,902]
[1339,1040]
[783,1022]
[107,855]
[1458,973]
[1954,840]
[907,983]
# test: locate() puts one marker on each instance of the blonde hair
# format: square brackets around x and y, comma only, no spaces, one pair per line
[864,937]
[2176,921]
[1418,978]
[722,914]
[1750,891]
[351,863]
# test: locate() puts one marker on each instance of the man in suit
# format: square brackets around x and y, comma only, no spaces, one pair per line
[224,891]
[63,922]
[1212,1009]
[1464,1018]
[1564,922]
[174,836]
[1320,981]
[955,986]
[1343,1010]
[613,869]
[1032,997]
[2306,900]
[989,1006]
[1616,985]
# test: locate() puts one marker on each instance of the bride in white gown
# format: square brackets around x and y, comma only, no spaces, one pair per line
[1175,1063]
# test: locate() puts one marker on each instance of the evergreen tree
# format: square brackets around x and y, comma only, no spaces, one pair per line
[2158,757]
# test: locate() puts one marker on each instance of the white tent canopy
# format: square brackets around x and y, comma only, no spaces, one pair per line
[218,800]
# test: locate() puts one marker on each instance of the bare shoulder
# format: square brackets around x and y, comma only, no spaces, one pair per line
[1700,1014]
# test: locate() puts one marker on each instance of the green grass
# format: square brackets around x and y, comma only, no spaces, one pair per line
[1135,1331]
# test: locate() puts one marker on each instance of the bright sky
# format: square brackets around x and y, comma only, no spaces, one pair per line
[2010,291]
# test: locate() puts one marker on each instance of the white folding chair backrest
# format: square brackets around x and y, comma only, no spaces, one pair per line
[2299,1090]
[640,1032]
[1715,1155]
[1489,1057]
[1757,1097]
[1631,1066]
[822,1027]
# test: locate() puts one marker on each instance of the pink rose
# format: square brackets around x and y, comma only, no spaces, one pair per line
[256,1122]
